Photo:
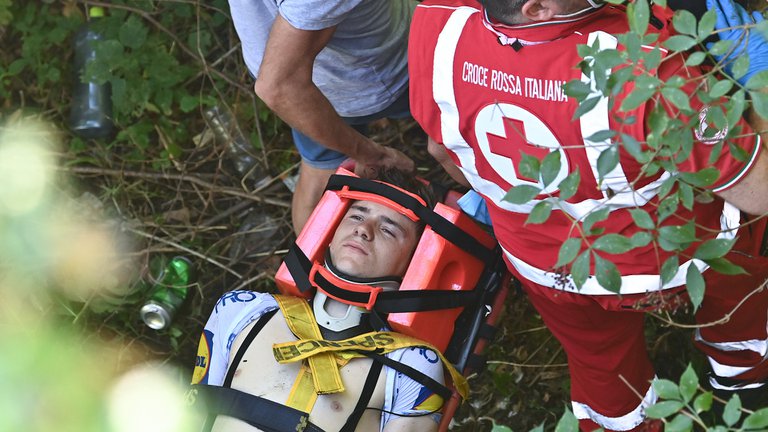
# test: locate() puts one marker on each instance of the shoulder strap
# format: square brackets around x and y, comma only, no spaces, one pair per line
[415,374]
[365,397]
[258,412]
[262,321]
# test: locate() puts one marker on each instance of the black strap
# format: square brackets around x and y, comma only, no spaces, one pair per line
[365,397]
[438,223]
[258,412]
[415,374]
[299,266]
[244,346]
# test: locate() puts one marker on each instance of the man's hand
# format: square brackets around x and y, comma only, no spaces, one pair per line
[385,157]
[732,22]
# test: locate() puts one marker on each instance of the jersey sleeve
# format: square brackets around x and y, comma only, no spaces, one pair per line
[409,397]
[316,14]
[733,149]
[425,29]
[233,312]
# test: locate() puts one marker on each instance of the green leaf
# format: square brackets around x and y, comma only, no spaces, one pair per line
[500,428]
[703,402]
[133,33]
[521,194]
[722,265]
[720,89]
[732,411]
[663,409]
[720,47]
[714,248]
[639,15]
[613,244]
[684,22]
[567,423]
[607,274]
[667,207]
[681,423]
[652,58]
[577,89]
[679,43]
[703,178]
[540,213]
[188,102]
[678,98]
[642,219]
[689,383]
[586,106]
[694,284]
[641,239]
[685,192]
[695,58]
[669,269]
[568,251]
[607,161]
[666,389]
[756,420]
[569,185]
[529,166]
[550,167]
[580,269]
[740,67]
[601,136]
[707,24]
[594,217]
[637,97]
[633,147]
[758,81]
[16,66]
[680,234]
[760,103]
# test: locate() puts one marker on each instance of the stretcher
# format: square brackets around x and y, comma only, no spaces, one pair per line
[452,294]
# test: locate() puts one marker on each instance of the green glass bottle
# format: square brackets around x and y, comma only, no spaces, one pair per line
[170,289]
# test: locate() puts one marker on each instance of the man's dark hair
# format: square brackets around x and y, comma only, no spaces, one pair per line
[408,182]
[506,11]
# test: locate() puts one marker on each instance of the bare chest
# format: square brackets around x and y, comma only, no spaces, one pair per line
[259,374]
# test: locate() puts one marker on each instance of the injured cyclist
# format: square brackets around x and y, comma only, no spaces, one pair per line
[371,246]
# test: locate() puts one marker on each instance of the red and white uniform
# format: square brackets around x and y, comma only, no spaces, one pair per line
[489,103]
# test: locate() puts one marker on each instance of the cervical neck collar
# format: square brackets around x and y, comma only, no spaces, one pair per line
[336,316]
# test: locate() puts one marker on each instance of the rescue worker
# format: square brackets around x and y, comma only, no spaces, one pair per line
[487,85]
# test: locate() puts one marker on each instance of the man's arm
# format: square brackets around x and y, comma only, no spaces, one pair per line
[441,156]
[285,85]
[751,193]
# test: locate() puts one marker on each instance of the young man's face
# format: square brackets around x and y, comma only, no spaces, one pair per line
[373,240]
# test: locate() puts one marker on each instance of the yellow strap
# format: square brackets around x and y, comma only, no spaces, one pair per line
[374,341]
[301,321]
[302,396]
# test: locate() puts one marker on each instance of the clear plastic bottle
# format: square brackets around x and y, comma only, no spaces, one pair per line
[238,147]
[91,111]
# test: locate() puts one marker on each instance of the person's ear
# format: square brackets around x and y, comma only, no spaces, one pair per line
[538,10]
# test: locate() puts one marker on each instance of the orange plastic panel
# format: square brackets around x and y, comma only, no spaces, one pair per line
[439,264]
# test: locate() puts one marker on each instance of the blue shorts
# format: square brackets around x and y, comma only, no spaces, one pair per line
[317,156]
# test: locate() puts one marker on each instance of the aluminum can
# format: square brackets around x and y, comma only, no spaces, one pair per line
[169,290]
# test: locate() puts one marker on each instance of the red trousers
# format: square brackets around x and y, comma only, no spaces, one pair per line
[603,337]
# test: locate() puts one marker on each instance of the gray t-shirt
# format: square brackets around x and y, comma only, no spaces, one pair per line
[363,69]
